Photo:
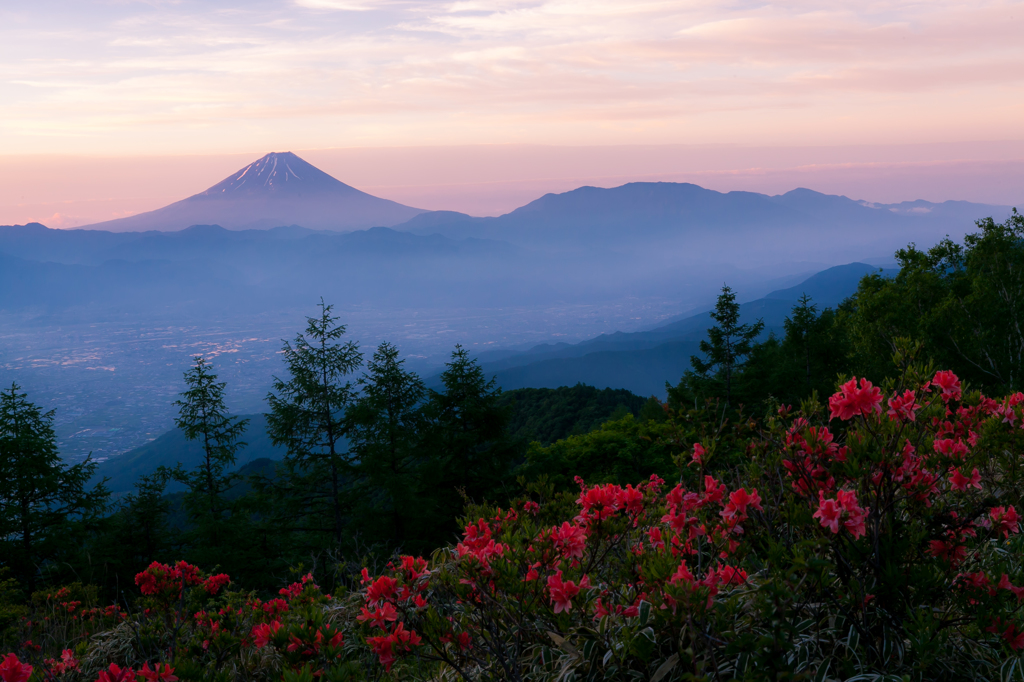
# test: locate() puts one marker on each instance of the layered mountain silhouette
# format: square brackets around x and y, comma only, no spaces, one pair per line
[642,362]
[685,221]
[279,189]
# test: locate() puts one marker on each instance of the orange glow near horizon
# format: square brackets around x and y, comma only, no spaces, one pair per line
[68,191]
[493,102]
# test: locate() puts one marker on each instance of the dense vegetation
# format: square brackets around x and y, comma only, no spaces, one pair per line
[546,415]
[837,502]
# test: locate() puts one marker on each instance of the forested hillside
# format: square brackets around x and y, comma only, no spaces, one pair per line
[836,500]
[549,414]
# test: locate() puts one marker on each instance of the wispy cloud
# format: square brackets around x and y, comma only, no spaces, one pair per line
[226,75]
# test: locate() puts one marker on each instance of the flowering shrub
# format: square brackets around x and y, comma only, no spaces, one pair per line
[877,536]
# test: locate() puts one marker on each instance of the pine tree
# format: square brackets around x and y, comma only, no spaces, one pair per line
[134,535]
[800,328]
[728,343]
[203,416]
[307,416]
[385,425]
[42,499]
[467,436]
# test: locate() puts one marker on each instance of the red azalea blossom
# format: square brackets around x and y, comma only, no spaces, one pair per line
[736,510]
[829,513]
[13,670]
[262,633]
[904,407]
[951,552]
[214,583]
[569,540]
[632,499]
[161,672]
[1004,520]
[949,384]
[950,448]
[116,673]
[295,589]
[600,502]
[698,453]
[67,662]
[842,510]
[275,607]
[387,646]
[381,589]
[851,401]
[1013,636]
[379,617]
[729,575]
[713,491]
[960,482]
[561,592]
[384,647]
[682,574]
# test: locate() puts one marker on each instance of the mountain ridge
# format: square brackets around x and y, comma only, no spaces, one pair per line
[278,189]
[687,219]
[642,361]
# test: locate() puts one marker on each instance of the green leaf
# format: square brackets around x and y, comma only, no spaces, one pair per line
[665,668]
[645,612]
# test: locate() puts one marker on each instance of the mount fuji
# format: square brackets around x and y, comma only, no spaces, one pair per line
[279,189]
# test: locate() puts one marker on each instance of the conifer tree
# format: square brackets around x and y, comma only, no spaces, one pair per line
[467,436]
[141,523]
[41,497]
[203,416]
[728,344]
[134,535]
[307,416]
[385,425]
[799,333]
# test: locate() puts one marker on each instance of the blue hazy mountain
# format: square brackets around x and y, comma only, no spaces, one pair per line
[272,268]
[672,240]
[642,362]
[278,189]
[692,222]
[172,447]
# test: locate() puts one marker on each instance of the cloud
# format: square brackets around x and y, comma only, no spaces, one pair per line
[343,5]
[227,75]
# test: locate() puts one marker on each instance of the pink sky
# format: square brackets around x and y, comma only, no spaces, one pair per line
[67,191]
[111,108]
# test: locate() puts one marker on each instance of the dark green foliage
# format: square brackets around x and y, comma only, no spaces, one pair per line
[141,523]
[549,414]
[381,464]
[807,360]
[729,344]
[44,503]
[466,438]
[620,451]
[203,417]
[135,534]
[307,416]
[964,302]
[385,425]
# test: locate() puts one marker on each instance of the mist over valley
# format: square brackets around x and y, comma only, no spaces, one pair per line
[599,286]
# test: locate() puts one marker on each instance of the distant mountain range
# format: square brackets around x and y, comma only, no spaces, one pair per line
[688,222]
[675,241]
[642,362]
[279,189]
